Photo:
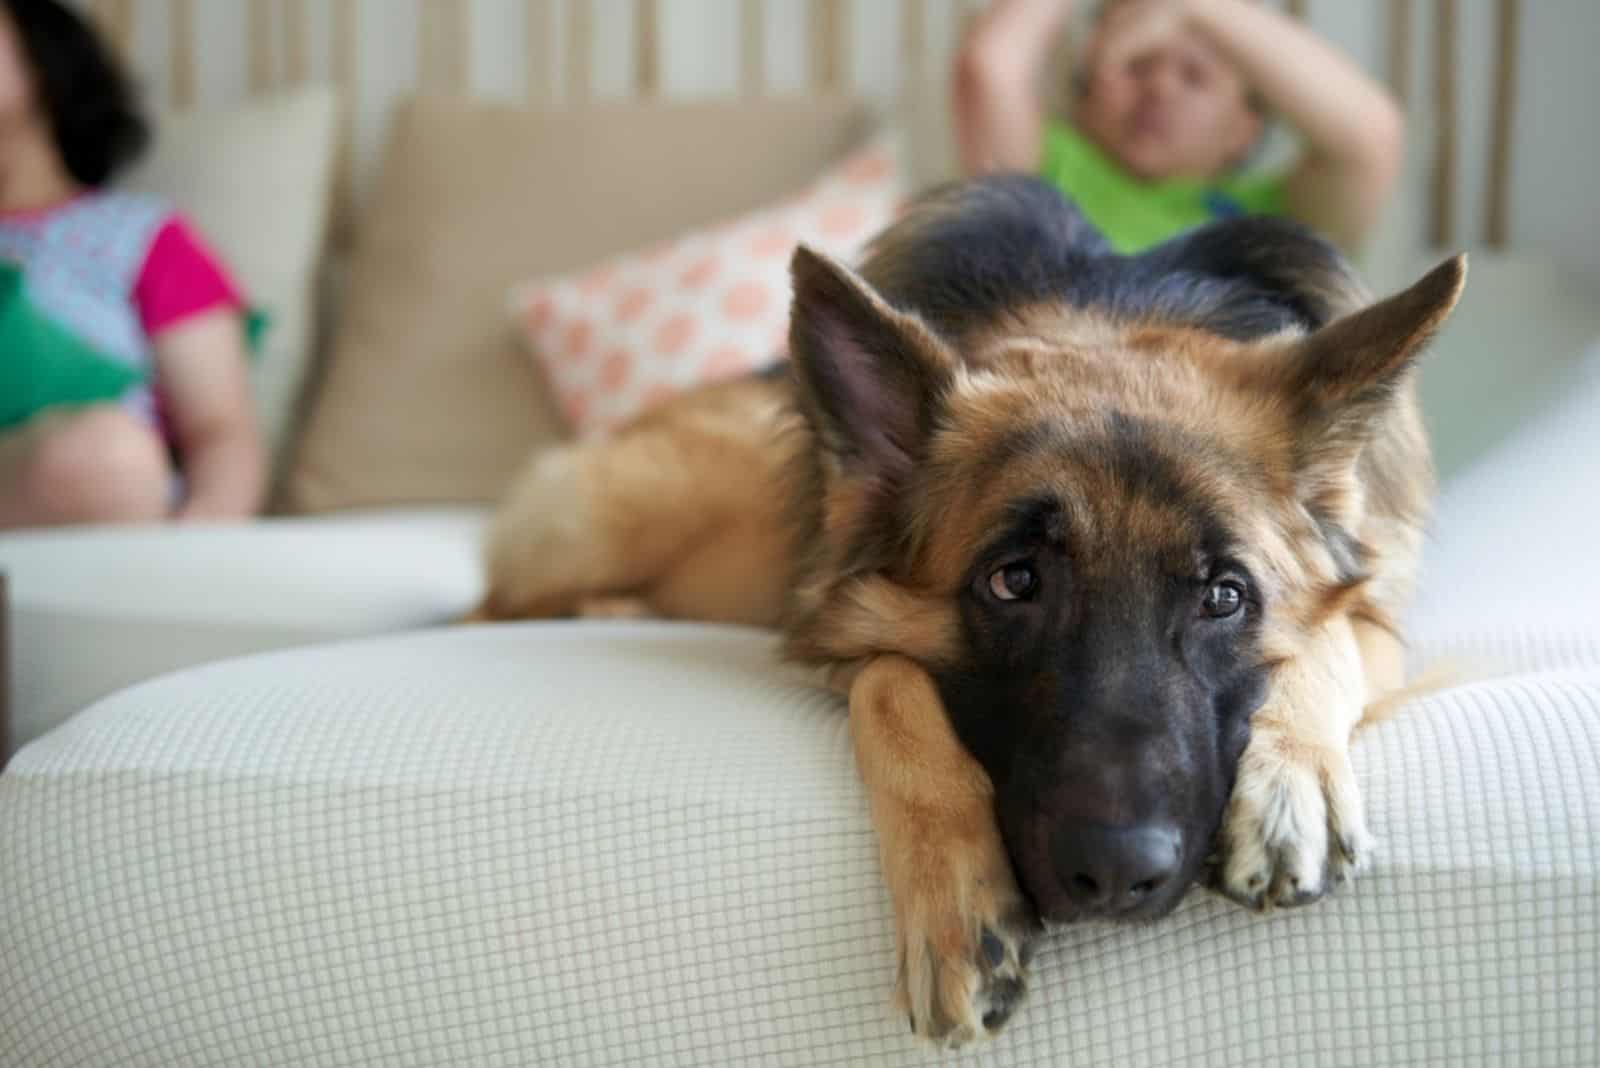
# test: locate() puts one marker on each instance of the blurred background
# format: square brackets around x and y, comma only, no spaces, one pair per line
[1451,61]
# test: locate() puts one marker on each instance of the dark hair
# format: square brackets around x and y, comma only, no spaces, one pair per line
[91,103]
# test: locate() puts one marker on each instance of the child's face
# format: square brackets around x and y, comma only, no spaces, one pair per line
[15,95]
[1159,98]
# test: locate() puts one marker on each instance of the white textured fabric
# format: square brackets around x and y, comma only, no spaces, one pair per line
[93,610]
[645,845]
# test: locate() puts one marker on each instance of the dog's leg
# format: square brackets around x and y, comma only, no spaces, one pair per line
[678,512]
[591,521]
[1383,658]
[1295,823]
[963,928]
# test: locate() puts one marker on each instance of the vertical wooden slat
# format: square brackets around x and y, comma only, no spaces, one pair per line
[1442,223]
[540,21]
[829,49]
[259,45]
[580,38]
[115,19]
[752,47]
[1497,222]
[180,28]
[344,60]
[913,41]
[646,47]
[344,50]
[442,46]
[1399,54]
[297,42]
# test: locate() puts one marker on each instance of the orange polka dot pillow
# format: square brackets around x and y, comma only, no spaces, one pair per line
[709,305]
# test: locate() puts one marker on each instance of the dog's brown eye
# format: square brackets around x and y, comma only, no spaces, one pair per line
[1014,582]
[1223,599]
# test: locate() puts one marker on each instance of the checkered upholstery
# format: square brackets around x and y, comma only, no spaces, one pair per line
[645,845]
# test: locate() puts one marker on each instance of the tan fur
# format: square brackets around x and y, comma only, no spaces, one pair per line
[947,870]
[691,510]
[676,511]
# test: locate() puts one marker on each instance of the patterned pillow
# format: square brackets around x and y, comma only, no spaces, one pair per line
[709,305]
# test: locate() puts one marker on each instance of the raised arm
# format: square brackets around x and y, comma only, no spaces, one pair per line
[1352,128]
[999,115]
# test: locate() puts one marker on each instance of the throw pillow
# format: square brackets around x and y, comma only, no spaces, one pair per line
[711,304]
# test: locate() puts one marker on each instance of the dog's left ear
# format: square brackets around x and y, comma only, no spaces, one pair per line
[871,378]
[1342,378]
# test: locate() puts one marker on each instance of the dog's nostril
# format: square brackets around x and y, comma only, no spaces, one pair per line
[1112,869]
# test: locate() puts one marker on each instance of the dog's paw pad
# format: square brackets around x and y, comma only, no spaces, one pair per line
[1003,996]
[972,990]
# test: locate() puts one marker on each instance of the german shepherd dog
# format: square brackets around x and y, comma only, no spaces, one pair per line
[1108,553]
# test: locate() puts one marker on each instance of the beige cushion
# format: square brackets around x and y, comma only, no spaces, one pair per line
[426,397]
[256,179]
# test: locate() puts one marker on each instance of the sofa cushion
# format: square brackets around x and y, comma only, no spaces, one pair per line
[94,610]
[258,180]
[427,397]
[602,844]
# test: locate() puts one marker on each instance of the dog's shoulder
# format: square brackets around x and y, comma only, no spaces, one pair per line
[1249,276]
[967,253]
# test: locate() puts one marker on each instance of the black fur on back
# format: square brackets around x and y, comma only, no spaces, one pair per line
[966,253]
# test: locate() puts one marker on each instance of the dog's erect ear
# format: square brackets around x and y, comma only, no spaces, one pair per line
[1362,356]
[1342,378]
[871,378]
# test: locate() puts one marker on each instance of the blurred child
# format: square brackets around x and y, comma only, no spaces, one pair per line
[124,392]
[1169,100]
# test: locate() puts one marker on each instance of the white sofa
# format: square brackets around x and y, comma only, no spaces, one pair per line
[94,610]
[631,844]
[594,844]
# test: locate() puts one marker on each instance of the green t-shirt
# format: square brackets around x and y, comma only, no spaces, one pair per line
[1132,214]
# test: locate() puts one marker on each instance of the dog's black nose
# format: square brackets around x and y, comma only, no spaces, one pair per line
[1110,870]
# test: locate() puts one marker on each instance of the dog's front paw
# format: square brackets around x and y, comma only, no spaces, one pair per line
[965,935]
[1294,827]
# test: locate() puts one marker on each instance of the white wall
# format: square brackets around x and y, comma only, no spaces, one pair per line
[1557,131]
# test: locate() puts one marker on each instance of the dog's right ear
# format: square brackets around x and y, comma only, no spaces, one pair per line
[871,378]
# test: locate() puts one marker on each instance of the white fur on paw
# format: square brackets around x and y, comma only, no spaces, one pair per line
[1294,826]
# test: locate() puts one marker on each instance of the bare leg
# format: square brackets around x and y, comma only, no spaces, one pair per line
[85,465]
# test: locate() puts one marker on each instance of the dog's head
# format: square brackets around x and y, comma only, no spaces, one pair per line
[1099,538]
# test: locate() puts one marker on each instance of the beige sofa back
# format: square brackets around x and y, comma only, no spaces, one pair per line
[426,396]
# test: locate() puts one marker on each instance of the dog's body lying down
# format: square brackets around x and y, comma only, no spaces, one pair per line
[1107,552]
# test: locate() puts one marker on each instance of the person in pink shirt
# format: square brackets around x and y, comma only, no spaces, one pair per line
[127,277]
